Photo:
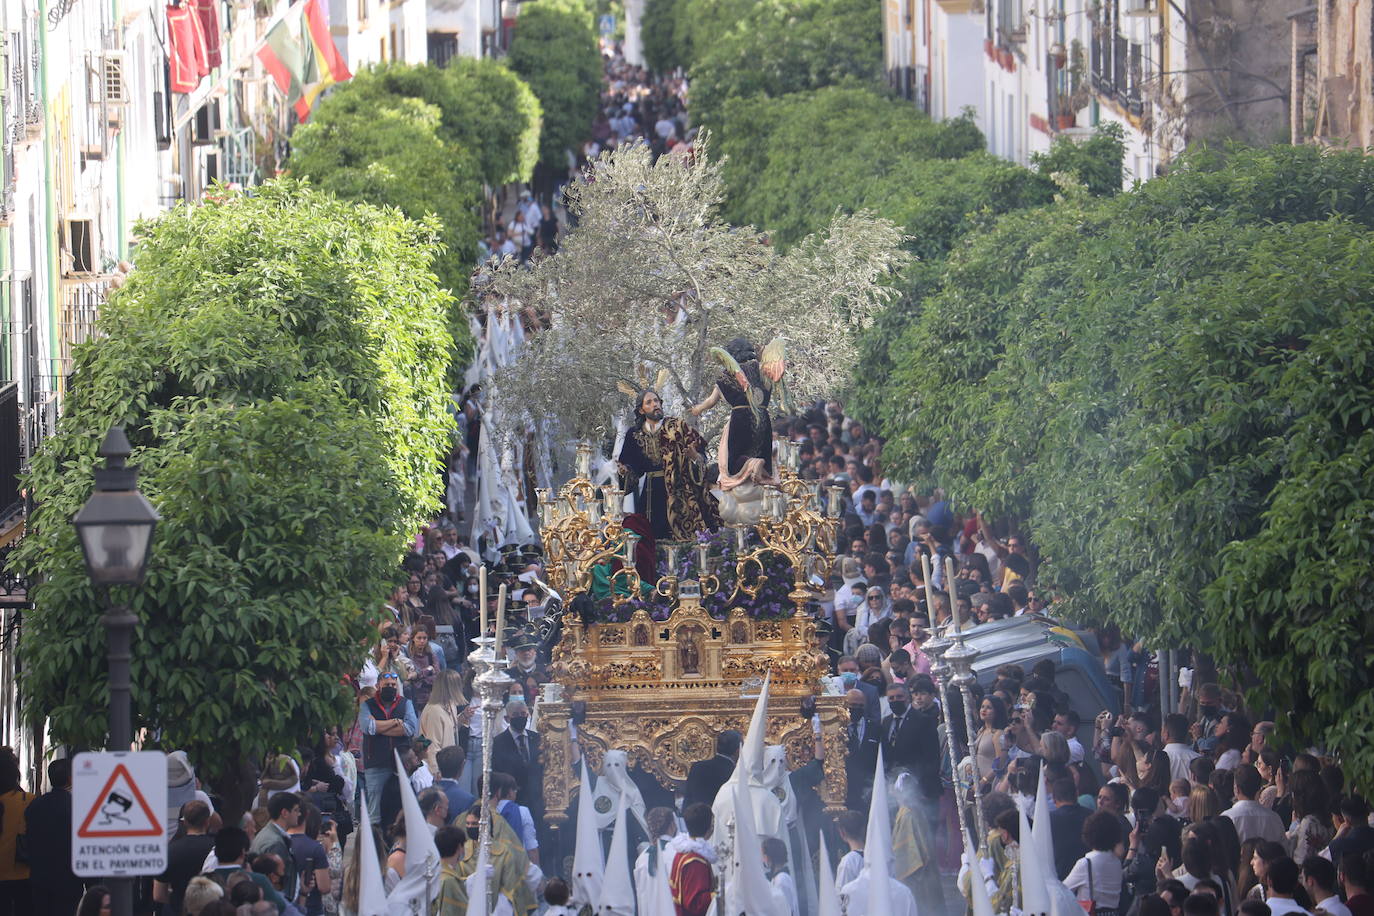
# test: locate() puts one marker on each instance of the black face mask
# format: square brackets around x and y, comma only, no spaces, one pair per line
[856,713]
[1208,711]
[899,707]
[474,832]
[387,694]
[517,724]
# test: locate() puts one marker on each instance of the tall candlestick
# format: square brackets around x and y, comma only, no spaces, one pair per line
[500,617]
[930,591]
[953,592]
[482,598]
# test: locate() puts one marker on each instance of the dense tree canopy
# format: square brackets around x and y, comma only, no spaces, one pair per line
[484,109]
[1169,389]
[782,46]
[278,362]
[386,150]
[367,144]
[657,35]
[555,51]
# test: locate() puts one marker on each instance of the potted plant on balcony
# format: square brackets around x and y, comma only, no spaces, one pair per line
[1075,98]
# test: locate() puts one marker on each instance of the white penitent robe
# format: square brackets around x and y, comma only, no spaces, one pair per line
[855,896]
[783,884]
[652,892]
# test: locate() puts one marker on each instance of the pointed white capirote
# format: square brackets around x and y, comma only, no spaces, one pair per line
[589,863]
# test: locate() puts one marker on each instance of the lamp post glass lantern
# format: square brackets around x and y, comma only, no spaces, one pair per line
[116,524]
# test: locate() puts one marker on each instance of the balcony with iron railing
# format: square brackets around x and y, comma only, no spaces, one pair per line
[1116,70]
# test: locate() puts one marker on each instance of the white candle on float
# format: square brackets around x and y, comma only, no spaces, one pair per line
[953,593]
[930,591]
[482,598]
[500,618]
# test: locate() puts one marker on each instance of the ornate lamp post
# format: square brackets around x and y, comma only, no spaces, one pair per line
[959,659]
[115,527]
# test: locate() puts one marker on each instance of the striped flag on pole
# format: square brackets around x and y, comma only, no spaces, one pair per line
[301,57]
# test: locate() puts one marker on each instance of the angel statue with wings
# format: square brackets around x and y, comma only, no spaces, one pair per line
[748,384]
[661,459]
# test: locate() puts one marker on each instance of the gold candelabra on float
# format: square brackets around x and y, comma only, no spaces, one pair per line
[799,522]
[582,528]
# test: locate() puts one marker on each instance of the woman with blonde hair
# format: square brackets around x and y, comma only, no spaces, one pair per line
[1203,804]
[439,721]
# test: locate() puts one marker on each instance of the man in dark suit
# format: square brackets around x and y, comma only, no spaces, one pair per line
[1066,826]
[911,739]
[516,751]
[865,737]
[706,777]
[451,760]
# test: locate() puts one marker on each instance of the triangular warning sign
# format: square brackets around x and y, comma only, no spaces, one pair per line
[120,810]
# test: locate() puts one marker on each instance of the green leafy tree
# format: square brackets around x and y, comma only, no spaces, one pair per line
[657,32]
[1095,163]
[278,363]
[784,46]
[702,23]
[555,50]
[792,161]
[484,108]
[385,149]
[1172,389]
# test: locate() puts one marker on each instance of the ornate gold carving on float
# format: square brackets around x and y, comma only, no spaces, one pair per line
[662,685]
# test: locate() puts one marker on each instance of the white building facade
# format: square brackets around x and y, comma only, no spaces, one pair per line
[1169,72]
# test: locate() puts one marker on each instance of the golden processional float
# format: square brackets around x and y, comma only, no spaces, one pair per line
[663,669]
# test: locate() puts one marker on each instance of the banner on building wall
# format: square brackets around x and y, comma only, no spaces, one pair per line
[189,51]
[207,14]
[301,56]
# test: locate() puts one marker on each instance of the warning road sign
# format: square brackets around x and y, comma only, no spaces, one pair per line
[119,805]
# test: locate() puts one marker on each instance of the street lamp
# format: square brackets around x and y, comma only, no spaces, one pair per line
[116,531]
[116,524]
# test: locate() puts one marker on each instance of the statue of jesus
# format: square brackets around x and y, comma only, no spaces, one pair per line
[662,460]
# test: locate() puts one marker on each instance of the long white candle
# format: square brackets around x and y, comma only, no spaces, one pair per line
[930,592]
[953,592]
[500,617]
[482,599]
